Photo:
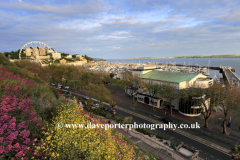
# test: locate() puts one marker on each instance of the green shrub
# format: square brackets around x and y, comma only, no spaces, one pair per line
[54,91]
[160,137]
[127,120]
[118,119]
[49,113]
[144,131]
[109,116]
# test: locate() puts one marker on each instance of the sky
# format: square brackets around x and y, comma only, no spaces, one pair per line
[123,29]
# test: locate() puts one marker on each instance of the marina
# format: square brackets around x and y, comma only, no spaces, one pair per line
[221,74]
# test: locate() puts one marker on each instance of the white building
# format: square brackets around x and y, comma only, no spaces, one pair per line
[79,57]
[141,70]
[56,55]
[69,56]
[50,51]
[179,80]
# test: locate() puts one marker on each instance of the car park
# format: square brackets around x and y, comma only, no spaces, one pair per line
[167,120]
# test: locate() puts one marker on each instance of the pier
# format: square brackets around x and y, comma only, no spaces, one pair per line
[198,66]
[230,77]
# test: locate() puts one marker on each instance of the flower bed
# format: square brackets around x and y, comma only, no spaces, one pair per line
[82,143]
[20,128]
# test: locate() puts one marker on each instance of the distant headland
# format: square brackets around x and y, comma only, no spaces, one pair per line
[212,56]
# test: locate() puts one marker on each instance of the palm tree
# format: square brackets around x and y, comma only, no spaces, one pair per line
[112,104]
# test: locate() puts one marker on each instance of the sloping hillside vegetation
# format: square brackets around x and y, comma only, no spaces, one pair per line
[30,110]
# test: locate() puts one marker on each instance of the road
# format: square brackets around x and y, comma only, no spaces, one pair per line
[206,152]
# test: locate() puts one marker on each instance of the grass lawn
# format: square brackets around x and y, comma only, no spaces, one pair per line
[111,91]
[117,83]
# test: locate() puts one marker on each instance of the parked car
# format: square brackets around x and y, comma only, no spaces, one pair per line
[67,92]
[66,87]
[86,98]
[95,107]
[113,112]
[53,84]
[104,108]
[167,120]
[96,104]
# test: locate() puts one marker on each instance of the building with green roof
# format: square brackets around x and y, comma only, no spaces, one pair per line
[179,80]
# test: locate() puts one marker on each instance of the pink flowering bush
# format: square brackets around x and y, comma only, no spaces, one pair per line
[20,128]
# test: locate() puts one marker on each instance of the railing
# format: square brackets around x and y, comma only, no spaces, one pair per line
[155,143]
[233,75]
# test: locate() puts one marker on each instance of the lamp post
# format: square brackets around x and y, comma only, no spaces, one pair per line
[134,101]
[219,120]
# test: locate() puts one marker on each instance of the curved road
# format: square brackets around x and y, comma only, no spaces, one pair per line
[206,152]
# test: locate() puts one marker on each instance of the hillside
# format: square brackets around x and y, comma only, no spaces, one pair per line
[30,110]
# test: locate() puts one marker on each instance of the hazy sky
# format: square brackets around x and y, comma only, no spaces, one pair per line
[123,29]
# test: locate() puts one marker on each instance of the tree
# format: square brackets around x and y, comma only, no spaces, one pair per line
[209,99]
[36,68]
[84,76]
[106,78]
[70,73]
[98,77]
[100,92]
[229,101]
[77,76]
[154,91]
[111,75]
[89,103]
[112,104]
[59,72]
[235,151]
[87,58]
[132,81]
[169,93]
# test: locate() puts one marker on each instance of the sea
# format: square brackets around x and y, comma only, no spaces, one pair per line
[217,62]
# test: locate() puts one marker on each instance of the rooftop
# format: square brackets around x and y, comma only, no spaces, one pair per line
[174,77]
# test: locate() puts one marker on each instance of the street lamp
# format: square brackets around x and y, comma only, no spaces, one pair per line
[134,101]
[219,120]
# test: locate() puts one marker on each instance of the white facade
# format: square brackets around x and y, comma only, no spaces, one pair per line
[79,57]
[203,82]
[190,107]
[50,51]
[56,55]
[69,56]
[77,63]
[141,70]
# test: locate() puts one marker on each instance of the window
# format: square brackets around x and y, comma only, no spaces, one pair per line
[196,102]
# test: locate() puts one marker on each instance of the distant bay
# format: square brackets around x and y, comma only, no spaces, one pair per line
[233,62]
